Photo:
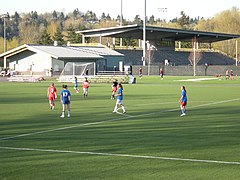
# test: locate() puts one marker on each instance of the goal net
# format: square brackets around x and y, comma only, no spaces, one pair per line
[76,69]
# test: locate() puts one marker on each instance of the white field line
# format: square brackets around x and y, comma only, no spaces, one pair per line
[123,114]
[62,128]
[116,119]
[198,79]
[122,155]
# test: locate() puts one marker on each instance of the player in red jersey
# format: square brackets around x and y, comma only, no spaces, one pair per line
[52,95]
[85,84]
[114,88]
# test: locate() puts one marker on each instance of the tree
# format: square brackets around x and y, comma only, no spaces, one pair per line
[183,21]
[151,20]
[103,17]
[58,37]
[61,17]
[72,36]
[45,38]
[54,15]
[28,34]
[137,20]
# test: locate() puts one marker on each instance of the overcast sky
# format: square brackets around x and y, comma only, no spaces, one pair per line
[131,8]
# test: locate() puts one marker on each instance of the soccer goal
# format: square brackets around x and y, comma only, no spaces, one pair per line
[78,69]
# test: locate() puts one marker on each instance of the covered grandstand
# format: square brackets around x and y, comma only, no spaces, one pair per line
[176,58]
[164,41]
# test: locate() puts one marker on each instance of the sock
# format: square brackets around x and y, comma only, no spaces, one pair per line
[62,113]
[115,109]
[123,108]
[183,110]
[68,113]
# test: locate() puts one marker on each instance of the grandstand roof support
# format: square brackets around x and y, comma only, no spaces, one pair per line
[83,39]
[194,55]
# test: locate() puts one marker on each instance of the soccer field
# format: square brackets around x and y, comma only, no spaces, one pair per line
[150,141]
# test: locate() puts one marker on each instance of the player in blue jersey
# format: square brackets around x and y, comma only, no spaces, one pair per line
[183,100]
[65,100]
[119,96]
[76,85]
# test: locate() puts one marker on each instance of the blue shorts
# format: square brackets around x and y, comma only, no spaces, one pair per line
[119,101]
[65,102]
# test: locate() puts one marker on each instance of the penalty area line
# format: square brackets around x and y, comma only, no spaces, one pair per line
[123,155]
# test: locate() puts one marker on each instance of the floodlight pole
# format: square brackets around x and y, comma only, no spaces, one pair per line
[236,52]
[194,58]
[4,16]
[121,21]
[144,35]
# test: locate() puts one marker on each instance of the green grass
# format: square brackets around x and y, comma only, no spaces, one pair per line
[152,128]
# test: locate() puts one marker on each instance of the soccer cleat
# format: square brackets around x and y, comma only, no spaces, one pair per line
[62,116]
[124,112]
[114,111]
[183,114]
[69,115]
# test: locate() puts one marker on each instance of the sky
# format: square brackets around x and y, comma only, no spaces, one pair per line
[130,8]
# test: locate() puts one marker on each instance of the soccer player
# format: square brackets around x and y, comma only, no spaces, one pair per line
[161,73]
[76,85]
[231,75]
[119,96]
[183,100]
[227,74]
[52,95]
[140,73]
[114,88]
[85,87]
[65,100]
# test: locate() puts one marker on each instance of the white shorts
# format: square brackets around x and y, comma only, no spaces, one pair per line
[119,101]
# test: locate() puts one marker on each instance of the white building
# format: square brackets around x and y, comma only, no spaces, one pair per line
[40,59]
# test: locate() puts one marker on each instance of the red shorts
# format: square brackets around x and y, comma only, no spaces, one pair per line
[51,98]
[183,103]
[114,89]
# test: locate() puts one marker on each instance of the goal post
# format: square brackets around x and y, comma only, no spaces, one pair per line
[78,69]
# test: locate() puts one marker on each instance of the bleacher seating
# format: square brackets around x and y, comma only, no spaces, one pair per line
[134,57]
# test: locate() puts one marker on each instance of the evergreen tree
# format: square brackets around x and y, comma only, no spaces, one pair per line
[183,21]
[45,38]
[75,13]
[72,36]
[58,37]
[61,17]
[137,20]
[151,20]
[103,17]
[54,15]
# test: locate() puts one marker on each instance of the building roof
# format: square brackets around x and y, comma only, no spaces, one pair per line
[65,52]
[158,33]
